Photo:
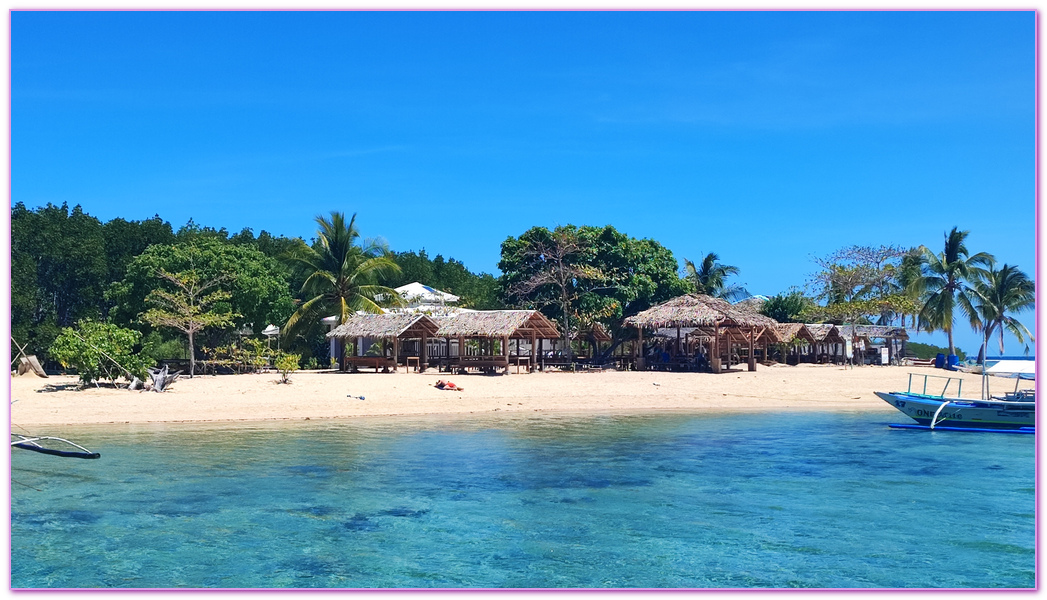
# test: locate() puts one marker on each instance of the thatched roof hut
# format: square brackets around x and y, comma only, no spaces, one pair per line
[879,331]
[518,324]
[596,331]
[788,332]
[387,325]
[826,333]
[695,310]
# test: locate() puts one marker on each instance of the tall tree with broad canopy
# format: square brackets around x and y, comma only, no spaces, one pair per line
[58,272]
[257,292]
[861,283]
[607,275]
[947,281]
[340,274]
[190,307]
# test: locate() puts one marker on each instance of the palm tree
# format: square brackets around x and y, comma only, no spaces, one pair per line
[945,283]
[1008,290]
[711,278]
[906,279]
[340,275]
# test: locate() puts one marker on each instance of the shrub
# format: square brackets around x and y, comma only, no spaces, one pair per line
[287,364]
[925,351]
[99,350]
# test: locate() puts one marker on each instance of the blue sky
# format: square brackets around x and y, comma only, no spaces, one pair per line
[767,137]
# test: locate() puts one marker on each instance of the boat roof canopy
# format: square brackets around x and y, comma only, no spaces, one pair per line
[1026,369]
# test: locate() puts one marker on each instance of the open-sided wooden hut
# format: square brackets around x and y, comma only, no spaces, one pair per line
[695,310]
[388,326]
[828,343]
[797,337]
[488,325]
[892,336]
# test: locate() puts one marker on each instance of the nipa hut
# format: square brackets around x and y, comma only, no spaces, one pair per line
[797,339]
[728,324]
[863,336]
[391,328]
[828,341]
[483,328]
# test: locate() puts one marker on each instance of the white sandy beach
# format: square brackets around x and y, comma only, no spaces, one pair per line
[326,395]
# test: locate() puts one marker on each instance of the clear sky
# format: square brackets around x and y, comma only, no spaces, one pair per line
[767,137]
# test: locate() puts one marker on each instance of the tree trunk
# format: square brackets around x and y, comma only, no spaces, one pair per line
[192,356]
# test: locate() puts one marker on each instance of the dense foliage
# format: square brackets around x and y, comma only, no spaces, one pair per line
[600,274]
[98,350]
[258,292]
[926,351]
[792,307]
[68,267]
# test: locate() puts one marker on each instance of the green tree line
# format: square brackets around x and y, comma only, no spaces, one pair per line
[199,287]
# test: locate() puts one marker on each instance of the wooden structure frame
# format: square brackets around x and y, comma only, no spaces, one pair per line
[489,325]
[725,321]
[386,326]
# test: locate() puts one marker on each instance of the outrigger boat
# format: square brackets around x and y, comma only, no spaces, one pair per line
[1014,412]
[33,443]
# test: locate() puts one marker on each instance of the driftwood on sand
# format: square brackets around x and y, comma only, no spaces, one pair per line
[162,379]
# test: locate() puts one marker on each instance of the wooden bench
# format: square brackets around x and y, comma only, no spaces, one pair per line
[353,363]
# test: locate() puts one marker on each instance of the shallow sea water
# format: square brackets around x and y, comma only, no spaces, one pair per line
[664,501]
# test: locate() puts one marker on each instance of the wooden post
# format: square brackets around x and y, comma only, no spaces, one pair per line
[505,352]
[396,360]
[424,352]
[714,360]
[640,359]
[534,341]
[752,350]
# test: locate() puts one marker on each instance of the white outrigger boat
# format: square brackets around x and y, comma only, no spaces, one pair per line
[1014,412]
[33,443]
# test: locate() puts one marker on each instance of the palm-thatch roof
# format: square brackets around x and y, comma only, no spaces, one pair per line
[387,325]
[752,303]
[788,332]
[695,310]
[596,331]
[498,323]
[825,333]
[874,331]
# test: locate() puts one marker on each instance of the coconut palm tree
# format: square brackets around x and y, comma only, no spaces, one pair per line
[1007,290]
[906,277]
[946,283]
[710,278]
[340,274]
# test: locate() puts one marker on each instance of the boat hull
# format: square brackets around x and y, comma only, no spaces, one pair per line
[963,413]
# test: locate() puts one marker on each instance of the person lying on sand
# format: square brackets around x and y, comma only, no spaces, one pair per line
[447,385]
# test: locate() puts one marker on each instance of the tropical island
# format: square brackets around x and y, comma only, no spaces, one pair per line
[579,309]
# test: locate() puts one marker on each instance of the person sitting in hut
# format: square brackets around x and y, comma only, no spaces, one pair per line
[447,385]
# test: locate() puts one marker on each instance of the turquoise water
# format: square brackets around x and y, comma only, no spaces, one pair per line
[776,501]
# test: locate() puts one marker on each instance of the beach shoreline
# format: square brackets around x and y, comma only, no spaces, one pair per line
[317,395]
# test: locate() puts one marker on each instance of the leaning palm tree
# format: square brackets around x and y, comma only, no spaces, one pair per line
[946,283]
[710,278]
[1008,290]
[341,275]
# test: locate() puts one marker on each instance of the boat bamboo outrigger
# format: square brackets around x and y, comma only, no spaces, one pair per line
[33,444]
[1013,412]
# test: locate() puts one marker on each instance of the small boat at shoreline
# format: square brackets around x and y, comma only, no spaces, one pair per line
[33,444]
[1014,412]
